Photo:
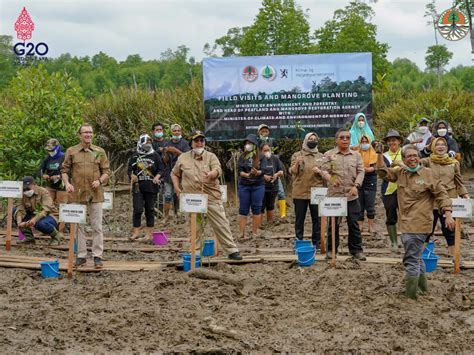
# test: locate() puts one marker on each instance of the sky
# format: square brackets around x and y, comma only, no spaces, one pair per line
[148,28]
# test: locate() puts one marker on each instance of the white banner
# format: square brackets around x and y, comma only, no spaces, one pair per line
[462,208]
[108,203]
[72,213]
[333,207]
[317,194]
[11,189]
[193,203]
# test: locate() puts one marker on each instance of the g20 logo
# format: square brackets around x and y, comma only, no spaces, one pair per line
[24,27]
[31,49]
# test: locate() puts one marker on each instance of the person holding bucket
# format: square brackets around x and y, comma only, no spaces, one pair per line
[272,169]
[446,169]
[305,169]
[418,191]
[197,171]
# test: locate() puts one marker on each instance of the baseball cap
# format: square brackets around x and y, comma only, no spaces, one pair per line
[28,181]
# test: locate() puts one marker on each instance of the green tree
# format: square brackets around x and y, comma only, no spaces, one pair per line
[350,30]
[41,106]
[433,18]
[437,57]
[229,44]
[7,68]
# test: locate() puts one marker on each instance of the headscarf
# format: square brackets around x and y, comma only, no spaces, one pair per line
[444,159]
[357,132]
[305,147]
[142,143]
[368,156]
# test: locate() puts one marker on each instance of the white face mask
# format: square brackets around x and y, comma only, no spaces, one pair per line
[29,193]
[198,151]
[442,132]
[361,124]
[267,155]
[249,147]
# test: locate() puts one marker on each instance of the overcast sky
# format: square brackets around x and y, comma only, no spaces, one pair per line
[120,28]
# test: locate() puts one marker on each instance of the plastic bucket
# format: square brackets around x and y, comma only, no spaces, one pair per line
[306,256]
[187,262]
[302,244]
[21,236]
[431,262]
[430,248]
[208,248]
[160,238]
[49,269]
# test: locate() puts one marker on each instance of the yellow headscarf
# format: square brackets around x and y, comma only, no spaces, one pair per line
[444,159]
[368,156]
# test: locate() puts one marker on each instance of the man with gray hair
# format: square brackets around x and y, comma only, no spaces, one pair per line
[418,191]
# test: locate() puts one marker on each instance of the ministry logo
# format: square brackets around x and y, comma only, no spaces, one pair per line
[250,73]
[268,73]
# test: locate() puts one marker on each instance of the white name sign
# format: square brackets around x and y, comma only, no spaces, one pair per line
[462,208]
[193,203]
[317,194]
[223,193]
[72,213]
[333,207]
[11,189]
[108,201]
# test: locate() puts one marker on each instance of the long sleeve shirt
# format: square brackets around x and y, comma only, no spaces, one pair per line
[40,204]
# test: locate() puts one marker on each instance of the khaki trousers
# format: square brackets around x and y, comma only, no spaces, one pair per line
[95,214]
[221,227]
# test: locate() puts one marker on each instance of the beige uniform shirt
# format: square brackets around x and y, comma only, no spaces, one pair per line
[450,176]
[418,193]
[304,180]
[348,167]
[190,168]
[85,165]
[41,204]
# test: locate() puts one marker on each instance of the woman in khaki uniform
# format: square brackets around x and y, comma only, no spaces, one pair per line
[447,170]
[305,168]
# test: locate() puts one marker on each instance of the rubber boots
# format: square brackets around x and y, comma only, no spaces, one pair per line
[392,233]
[423,284]
[411,287]
[282,205]
[55,238]
[29,237]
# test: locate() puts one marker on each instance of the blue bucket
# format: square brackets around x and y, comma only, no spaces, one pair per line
[49,269]
[306,256]
[302,244]
[431,262]
[430,248]
[187,261]
[208,248]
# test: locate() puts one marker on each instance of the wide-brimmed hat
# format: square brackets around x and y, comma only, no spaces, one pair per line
[392,133]
[252,138]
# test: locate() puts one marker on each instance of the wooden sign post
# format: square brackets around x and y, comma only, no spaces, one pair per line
[333,207]
[462,208]
[73,214]
[194,204]
[317,194]
[10,190]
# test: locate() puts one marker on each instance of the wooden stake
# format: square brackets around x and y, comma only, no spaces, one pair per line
[9,224]
[216,246]
[70,260]
[457,246]
[333,239]
[193,240]
[323,235]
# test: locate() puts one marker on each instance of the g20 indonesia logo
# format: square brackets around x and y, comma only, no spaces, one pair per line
[27,51]
[250,73]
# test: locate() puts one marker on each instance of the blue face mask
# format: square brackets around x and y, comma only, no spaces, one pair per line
[176,138]
[159,134]
[414,170]
[365,146]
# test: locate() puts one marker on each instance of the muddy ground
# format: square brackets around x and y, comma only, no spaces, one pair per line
[355,307]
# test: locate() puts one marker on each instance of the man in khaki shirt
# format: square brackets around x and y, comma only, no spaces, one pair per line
[88,166]
[343,170]
[418,191]
[197,171]
[35,210]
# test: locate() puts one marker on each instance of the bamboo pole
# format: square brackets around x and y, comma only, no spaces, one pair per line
[457,246]
[193,241]
[70,260]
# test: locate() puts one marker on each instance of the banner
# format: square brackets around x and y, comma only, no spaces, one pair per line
[292,94]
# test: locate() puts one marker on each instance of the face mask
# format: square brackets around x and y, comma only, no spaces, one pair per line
[198,151]
[249,147]
[28,193]
[422,129]
[267,155]
[365,146]
[312,144]
[263,138]
[158,134]
[361,124]
[414,170]
[442,132]
[176,138]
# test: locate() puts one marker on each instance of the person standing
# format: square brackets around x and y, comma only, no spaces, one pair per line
[88,167]
[343,170]
[360,127]
[418,191]
[159,143]
[145,168]
[441,129]
[197,171]
[272,169]
[172,150]
[421,136]
[306,171]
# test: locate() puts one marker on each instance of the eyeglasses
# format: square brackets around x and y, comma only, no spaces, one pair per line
[87,132]
[344,138]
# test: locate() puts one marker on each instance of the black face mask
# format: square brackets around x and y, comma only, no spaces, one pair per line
[312,145]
